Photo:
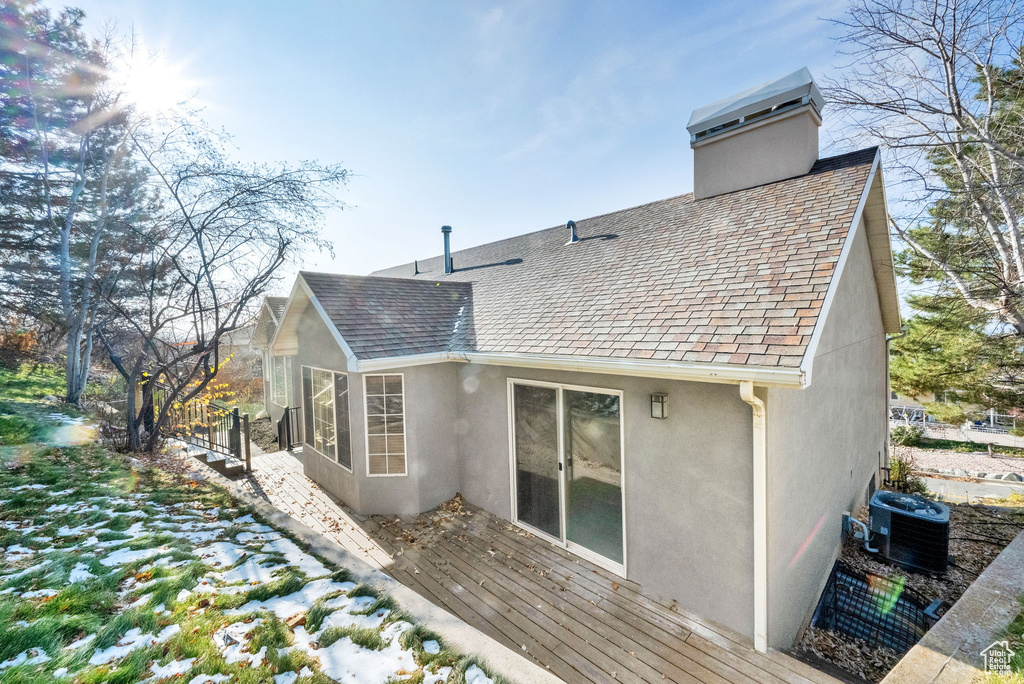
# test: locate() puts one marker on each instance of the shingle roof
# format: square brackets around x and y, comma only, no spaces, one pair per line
[277,305]
[395,316]
[738,278]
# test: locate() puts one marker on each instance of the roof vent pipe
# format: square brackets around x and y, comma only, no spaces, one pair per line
[447,232]
[573,237]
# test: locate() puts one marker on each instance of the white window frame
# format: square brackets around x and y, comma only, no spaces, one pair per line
[405,427]
[288,368]
[337,442]
[563,541]
[302,403]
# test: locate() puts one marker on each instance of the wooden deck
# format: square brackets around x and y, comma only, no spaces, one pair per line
[578,620]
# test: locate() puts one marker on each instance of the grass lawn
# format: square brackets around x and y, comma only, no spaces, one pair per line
[120,570]
[24,416]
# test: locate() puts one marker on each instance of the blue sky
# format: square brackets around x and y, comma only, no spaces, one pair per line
[496,118]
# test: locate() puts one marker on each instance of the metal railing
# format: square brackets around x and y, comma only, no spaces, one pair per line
[290,428]
[217,428]
[875,609]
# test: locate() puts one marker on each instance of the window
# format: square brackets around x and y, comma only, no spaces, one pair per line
[341,410]
[281,380]
[385,424]
[893,395]
[325,414]
[318,407]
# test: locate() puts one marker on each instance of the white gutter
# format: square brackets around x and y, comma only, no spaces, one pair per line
[792,378]
[760,454]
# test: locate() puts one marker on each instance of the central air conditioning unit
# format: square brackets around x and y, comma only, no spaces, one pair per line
[911,531]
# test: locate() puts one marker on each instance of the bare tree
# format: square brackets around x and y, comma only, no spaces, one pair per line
[937,83]
[206,261]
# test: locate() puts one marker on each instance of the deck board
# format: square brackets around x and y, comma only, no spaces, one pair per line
[582,622]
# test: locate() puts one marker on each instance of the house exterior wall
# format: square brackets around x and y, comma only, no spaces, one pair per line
[824,447]
[687,479]
[431,459]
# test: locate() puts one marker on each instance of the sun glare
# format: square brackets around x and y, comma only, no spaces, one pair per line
[152,85]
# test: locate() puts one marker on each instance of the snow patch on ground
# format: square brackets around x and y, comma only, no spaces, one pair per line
[223,554]
[80,573]
[232,642]
[132,640]
[253,571]
[209,679]
[310,566]
[474,675]
[350,663]
[32,656]
[172,669]
[298,602]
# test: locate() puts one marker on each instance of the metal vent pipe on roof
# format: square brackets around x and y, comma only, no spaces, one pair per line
[573,237]
[447,231]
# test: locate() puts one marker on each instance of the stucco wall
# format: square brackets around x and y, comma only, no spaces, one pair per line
[687,481]
[824,445]
[782,146]
[431,460]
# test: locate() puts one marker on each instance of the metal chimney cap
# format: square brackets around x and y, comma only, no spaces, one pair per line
[446,229]
[798,85]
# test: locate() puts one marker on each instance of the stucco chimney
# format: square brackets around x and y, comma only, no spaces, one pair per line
[765,134]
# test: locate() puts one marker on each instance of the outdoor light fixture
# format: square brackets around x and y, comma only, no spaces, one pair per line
[659,406]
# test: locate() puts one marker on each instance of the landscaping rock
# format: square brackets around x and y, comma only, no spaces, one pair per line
[1013,477]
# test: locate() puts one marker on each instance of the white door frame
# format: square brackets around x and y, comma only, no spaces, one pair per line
[563,541]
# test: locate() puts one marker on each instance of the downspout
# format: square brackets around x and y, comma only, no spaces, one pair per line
[760,453]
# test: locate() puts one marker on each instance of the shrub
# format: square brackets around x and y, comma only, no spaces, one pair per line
[1017,431]
[901,468]
[905,435]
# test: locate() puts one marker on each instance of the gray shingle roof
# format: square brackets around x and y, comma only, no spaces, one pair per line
[738,278]
[277,305]
[394,316]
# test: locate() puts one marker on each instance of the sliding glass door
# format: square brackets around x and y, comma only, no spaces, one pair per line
[567,467]
[593,472]
[536,458]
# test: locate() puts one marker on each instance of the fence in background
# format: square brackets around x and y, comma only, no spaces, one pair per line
[993,430]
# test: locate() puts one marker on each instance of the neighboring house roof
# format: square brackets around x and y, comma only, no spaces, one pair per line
[267,320]
[276,306]
[738,279]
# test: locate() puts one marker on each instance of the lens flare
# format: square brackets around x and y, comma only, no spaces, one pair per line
[152,85]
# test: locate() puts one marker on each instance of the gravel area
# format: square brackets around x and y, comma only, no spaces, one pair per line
[978,461]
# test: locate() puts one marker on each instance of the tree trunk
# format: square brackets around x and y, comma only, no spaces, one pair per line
[132,419]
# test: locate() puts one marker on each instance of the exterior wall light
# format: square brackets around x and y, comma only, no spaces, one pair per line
[659,406]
